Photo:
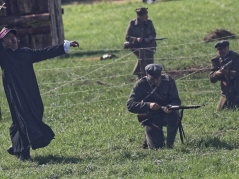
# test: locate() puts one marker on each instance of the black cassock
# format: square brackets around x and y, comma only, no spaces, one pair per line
[23,95]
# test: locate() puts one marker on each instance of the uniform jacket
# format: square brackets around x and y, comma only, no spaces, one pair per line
[226,79]
[138,29]
[23,95]
[166,93]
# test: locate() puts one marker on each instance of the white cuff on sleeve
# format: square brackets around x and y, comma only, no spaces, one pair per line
[67,45]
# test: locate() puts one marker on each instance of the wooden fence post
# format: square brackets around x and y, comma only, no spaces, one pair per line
[57,29]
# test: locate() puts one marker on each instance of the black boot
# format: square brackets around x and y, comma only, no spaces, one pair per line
[11,152]
[25,154]
[145,145]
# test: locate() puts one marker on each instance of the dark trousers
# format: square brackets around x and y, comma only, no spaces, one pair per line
[154,129]
[232,98]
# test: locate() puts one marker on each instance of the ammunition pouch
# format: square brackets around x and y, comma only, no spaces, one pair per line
[142,117]
[129,45]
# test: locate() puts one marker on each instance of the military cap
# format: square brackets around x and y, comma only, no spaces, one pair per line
[222,43]
[5,31]
[153,70]
[141,10]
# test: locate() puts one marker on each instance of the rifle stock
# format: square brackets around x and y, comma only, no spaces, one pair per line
[144,116]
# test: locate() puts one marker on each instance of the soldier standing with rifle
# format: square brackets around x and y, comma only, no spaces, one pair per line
[225,68]
[141,34]
[150,93]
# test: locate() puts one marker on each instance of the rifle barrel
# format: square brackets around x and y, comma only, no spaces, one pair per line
[183,107]
[160,38]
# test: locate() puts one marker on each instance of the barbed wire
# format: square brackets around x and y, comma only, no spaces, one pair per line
[97,101]
[164,46]
[105,88]
[193,73]
[107,77]
[83,66]
[84,75]
[111,99]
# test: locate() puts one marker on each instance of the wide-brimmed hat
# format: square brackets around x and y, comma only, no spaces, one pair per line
[153,70]
[5,31]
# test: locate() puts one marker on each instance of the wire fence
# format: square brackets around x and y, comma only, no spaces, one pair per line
[115,62]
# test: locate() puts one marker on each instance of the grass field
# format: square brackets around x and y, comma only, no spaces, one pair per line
[85,101]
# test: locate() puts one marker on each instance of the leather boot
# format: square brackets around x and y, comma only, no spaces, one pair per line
[145,145]
[25,154]
[11,152]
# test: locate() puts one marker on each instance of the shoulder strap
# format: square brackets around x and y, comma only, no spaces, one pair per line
[150,93]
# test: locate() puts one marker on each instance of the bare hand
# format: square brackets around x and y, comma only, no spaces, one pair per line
[167,111]
[154,106]
[218,73]
[74,44]
[3,6]
[139,39]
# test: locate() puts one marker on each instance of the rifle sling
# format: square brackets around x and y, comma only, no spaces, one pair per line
[180,127]
[143,101]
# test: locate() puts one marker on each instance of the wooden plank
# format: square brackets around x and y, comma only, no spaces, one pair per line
[33,30]
[24,7]
[12,8]
[42,6]
[32,6]
[40,41]
[21,20]
[35,41]
[57,29]
[59,21]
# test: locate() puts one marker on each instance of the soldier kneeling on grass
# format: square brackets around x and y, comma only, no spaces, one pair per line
[148,94]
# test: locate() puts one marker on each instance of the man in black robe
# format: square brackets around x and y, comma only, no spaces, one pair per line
[22,92]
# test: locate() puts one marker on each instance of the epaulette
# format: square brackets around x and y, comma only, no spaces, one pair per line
[143,79]
[165,77]
[215,58]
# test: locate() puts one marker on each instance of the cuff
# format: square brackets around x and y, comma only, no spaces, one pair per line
[67,45]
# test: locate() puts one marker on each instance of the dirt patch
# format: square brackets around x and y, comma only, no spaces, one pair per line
[219,34]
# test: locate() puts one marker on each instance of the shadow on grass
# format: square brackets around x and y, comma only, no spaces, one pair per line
[215,142]
[98,53]
[56,159]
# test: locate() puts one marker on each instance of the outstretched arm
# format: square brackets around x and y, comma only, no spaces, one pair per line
[53,51]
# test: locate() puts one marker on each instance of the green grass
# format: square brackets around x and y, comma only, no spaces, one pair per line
[96,137]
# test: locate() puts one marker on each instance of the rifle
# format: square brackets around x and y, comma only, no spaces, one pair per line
[145,116]
[225,65]
[129,45]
